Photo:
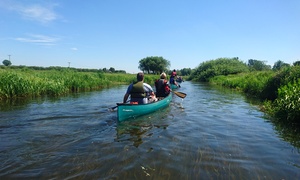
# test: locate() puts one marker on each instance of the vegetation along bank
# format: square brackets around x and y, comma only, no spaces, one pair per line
[17,82]
[28,82]
[277,87]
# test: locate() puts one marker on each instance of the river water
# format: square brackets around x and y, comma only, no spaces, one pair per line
[211,134]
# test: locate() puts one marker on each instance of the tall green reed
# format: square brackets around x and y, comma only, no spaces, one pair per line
[25,82]
[278,90]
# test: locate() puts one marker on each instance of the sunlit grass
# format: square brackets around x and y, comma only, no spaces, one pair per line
[252,83]
[27,82]
[278,90]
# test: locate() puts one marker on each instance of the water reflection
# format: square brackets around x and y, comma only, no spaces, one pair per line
[136,130]
[17,103]
[134,133]
[24,102]
[288,132]
[215,135]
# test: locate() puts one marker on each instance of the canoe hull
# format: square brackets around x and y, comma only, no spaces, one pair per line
[128,111]
[173,86]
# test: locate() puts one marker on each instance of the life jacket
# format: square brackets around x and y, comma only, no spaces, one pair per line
[137,90]
[162,88]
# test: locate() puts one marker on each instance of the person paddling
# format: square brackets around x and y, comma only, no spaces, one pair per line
[139,91]
[162,87]
[172,79]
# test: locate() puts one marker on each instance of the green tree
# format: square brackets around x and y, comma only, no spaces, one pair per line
[297,63]
[185,71]
[256,65]
[279,64]
[154,64]
[6,62]
[111,69]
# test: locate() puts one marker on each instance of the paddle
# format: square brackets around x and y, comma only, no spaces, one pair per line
[117,105]
[179,94]
[113,107]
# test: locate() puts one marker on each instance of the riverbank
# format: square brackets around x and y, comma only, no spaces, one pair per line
[24,82]
[277,88]
[279,91]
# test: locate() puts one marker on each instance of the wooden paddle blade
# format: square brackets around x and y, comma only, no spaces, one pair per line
[180,94]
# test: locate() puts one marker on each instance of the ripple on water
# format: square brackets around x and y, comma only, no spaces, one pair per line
[210,134]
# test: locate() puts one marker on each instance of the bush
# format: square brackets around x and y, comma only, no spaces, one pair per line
[252,83]
[220,66]
[287,105]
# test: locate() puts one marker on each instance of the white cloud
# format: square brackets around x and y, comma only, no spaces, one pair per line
[43,13]
[39,39]
[39,13]
[74,49]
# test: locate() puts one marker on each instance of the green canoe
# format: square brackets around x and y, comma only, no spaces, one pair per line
[173,86]
[127,111]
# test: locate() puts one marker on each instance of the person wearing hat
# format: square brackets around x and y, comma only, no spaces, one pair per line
[173,80]
[139,91]
[162,86]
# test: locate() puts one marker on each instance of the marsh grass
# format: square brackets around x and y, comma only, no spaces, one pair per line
[23,83]
[27,82]
[253,83]
[279,91]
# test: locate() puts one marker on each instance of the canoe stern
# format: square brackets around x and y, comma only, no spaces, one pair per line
[128,111]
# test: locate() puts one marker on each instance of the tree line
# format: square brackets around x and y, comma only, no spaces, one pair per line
[158,64]
[150,65]
[227,66]
[7,63]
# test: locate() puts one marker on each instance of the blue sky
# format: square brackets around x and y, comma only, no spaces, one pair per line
[117,33]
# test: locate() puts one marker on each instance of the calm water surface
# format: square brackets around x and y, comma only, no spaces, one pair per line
[211,134]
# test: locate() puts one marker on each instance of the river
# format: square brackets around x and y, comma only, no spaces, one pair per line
[211,134]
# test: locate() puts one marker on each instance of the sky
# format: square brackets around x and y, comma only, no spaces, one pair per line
[101,34]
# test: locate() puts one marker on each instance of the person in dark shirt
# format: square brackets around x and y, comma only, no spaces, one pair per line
[162,87]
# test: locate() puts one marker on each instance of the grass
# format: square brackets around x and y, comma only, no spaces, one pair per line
[25,82]
[279,91]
